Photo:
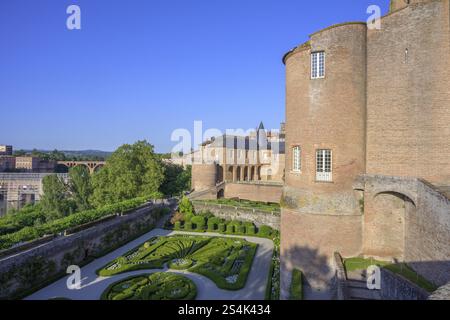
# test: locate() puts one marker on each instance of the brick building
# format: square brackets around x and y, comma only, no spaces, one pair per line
[251,167]
[35,164]
[368,144]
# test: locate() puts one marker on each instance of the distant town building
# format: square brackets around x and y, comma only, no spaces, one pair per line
[35,164]
[20,189]
[6,150]
[7,163]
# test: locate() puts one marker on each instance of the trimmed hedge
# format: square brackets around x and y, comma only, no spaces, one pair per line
[211,226]
[229,229]
[199,221]
[296,290]
[188,226]
[221,227]
[265,231]
[76,219]
[177,225]
[250,230]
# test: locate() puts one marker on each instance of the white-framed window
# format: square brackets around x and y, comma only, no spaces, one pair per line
[318,65]
[296,159]
[324,165]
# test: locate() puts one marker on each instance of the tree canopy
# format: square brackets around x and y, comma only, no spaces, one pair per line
[131,171]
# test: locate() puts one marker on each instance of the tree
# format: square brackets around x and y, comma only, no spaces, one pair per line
[185,206]
[176,180]
[131,171]
[80,187]
[55,201]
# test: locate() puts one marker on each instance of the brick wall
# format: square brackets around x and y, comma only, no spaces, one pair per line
[408,96]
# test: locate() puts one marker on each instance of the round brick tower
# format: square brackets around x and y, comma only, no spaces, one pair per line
[326,121]
[203,176]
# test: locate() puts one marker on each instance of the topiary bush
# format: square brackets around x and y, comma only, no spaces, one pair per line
[188,226]
[199,221]
[211,226]
[221,227]
[265,231]
[251,230]
[241,229]
[177,225]
[230,229]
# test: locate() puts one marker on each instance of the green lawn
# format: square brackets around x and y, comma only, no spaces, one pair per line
[226,261]
[401,269]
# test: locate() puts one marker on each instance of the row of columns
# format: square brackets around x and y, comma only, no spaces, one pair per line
[243,173]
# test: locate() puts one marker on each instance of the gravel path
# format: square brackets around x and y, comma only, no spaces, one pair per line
[93,285]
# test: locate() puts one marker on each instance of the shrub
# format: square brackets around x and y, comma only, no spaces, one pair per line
[188,225]
[206,214]
[241,229]
[178,225]
[230,229]
[250,230]
[221,227]
[76,219]
[211,226]
[296,290]
[186,206]
[215,220]
[199,221]
[265,231]
[178,216]
[188,217]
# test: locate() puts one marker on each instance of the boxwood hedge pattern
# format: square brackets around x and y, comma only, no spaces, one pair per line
[156,286]
[226,261]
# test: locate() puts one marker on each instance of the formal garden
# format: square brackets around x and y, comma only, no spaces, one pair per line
[156,286]
[225,261]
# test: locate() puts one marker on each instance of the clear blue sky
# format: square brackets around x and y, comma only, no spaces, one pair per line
[139,69]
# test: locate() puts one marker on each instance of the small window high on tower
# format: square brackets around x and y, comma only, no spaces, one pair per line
[318,65]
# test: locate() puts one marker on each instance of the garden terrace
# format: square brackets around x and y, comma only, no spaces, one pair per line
[226,261]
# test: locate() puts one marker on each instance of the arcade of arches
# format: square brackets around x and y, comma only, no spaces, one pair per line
[240,173]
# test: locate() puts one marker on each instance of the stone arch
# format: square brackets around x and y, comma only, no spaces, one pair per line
[252,174]
[98,167]
[221,194]
[229,176]
[385,224]
[238,173]
[220,173]
[246,173]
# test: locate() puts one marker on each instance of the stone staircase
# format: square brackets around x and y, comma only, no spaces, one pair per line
[357,287]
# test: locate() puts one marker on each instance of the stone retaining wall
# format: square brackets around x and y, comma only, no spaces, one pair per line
[395,287]
[28,269]
[258,217]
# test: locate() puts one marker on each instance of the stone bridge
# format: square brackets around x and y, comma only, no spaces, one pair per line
[91,165]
